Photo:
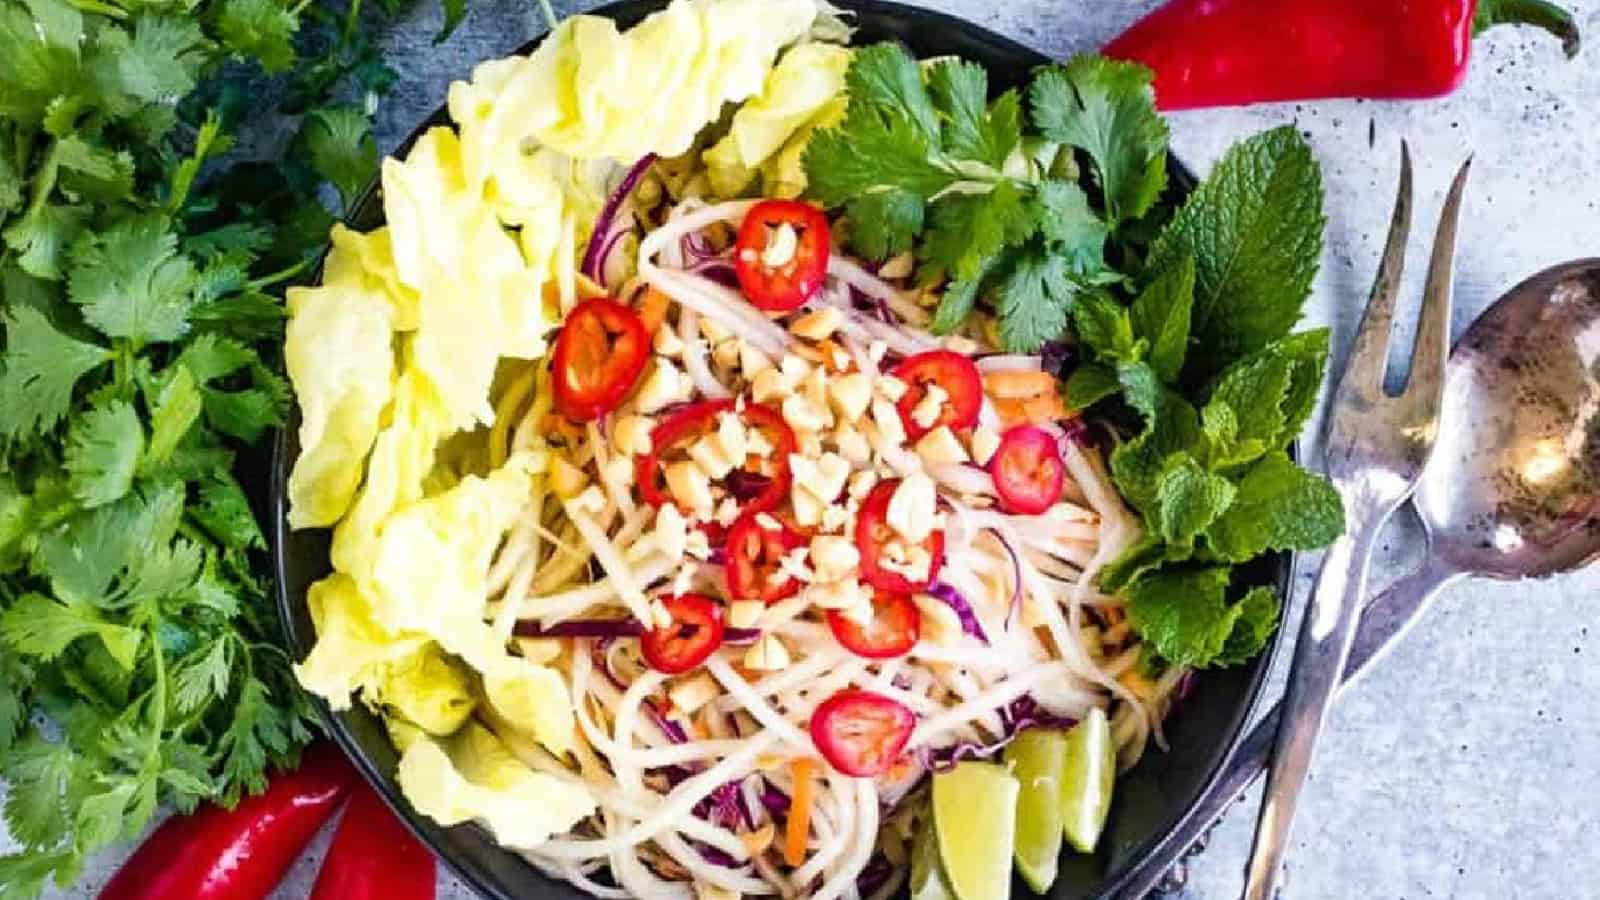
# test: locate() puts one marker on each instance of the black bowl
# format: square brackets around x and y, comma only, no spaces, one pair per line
[1149,801]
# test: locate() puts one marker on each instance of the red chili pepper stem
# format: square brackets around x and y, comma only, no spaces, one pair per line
[1535,13]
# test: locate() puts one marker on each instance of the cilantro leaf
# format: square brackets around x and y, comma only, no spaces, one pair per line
[39,775]
[1107,109]
[1035,294]
[968,230]
[92,171]
[224,511]
[885,223]
[41,627]
[1279,506]
[173,413]
[259,29]
[131,282]
[872,150]
[205,675]
[959,299]
[886,76]
[1254,228]
[973,128]
[103,449]
[1160,316]
[42,366]
[41,238]
[1184,613]
[338,141]
[1073,229]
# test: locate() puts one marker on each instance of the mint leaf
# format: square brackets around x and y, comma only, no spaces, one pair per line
[1279,506]
[1171,426]
[1254,228]
[1089,384]
[1307,353]
[1104,327]
[1073,229]
[1107,109]
[1160,316]
[131,282]
[1184,613]
[885,223]
[1188,500]
[41,368]
[102,452]
[974,129]
[1251,392]
[1258,619]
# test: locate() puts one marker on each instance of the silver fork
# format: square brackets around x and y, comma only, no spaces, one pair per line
[1376,447]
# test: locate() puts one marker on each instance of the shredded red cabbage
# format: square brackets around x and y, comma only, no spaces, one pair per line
[741,635]
[953,598]
[744,484]
[581,628]
[601,241]
[774,799]
[875,875]
[671,729]
[717,269]
[1016,577]
[1016,717]
[602,661]
[1055,356]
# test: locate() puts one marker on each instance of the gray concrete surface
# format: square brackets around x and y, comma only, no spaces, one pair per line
[1467,767]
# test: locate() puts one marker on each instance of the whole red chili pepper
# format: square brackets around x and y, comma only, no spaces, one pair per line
[242,853]
[374,856]
[1229,52]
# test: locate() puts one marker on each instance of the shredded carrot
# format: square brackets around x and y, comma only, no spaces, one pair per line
[1045,408]
[653,310]
[798,827]
[1019,385]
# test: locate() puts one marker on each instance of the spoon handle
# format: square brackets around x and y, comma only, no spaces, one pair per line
[1387,619]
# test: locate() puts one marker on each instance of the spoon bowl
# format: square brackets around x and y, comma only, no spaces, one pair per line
[1513,489]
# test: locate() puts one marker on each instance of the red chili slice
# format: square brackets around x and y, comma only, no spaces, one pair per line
[861,733]
[1027,469]
[601,351]
[689,423]
[955,375]
[695,633]
[783,287]
[893,631]
[754,554]
[873,534]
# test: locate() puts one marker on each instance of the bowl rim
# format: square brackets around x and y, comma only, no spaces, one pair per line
[437,837]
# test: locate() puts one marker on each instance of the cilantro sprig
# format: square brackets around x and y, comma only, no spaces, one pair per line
[140,259]
[1051,219]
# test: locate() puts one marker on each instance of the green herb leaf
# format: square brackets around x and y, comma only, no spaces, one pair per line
[1188,500]
[1107,109]
[1254,228]
[1104,327]
[1160,316]
[338,141]
[885,223]
[1279,506]
[886,76]
[968,230]
[103,449]
[1072,228]
[1035,294]
[1089,384]
[1184,613]
[1258,619]
[42,366]
[974,129]
[259,29]
[132,283]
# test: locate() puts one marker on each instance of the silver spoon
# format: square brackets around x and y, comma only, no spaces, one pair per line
[1512,490]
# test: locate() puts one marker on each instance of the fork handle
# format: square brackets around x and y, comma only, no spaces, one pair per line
[1320,654]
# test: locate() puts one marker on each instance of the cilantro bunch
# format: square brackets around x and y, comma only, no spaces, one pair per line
[1181,318]
[140,262]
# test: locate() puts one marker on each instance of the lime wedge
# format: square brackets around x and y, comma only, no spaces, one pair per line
[927,876]
[1036,758]
[974,817]
[1087,775]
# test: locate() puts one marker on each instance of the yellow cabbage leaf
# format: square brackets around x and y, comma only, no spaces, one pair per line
[352,649]
[367,259]
[428,689]
[593,92]
[805,81]
[339,353]
[431,560]
[533,699]
[401,456]
[784,174]
[479,780]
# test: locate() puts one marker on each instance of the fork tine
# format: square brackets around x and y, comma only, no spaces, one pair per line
[1369,356]
[1426,380]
